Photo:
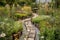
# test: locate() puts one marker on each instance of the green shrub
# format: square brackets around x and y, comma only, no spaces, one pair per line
[17,26]
[57,24]
[22,15]
[9,26]
[45,27]
[40,18]
[4,11]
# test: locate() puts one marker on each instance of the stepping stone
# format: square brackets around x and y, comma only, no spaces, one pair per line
[30,38]
[31,35]
[25,38]
[32,28]
[32,31]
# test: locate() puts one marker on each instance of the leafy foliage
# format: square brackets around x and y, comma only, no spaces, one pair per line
[26,12]
[45,27]
[9,26]
[40,18]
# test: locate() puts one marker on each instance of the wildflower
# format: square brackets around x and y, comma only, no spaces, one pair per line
[2,34]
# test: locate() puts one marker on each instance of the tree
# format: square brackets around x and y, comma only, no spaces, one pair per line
[57,2]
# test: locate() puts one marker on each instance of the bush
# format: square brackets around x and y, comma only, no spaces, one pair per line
[9,26]
[57,34]
[45,27]
[40,18]
[17,26]
[22,15]
[4,11]
[57,24]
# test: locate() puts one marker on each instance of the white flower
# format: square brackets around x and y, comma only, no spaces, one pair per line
[28,30]
[2,34]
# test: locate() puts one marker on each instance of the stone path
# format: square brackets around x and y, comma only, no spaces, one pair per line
[30,32]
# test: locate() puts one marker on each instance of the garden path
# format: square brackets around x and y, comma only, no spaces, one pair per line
[30,32]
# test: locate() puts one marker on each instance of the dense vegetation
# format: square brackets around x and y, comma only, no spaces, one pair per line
[48,21]
[48,24]
[8,25]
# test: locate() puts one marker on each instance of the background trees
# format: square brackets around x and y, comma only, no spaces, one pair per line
[57,3]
